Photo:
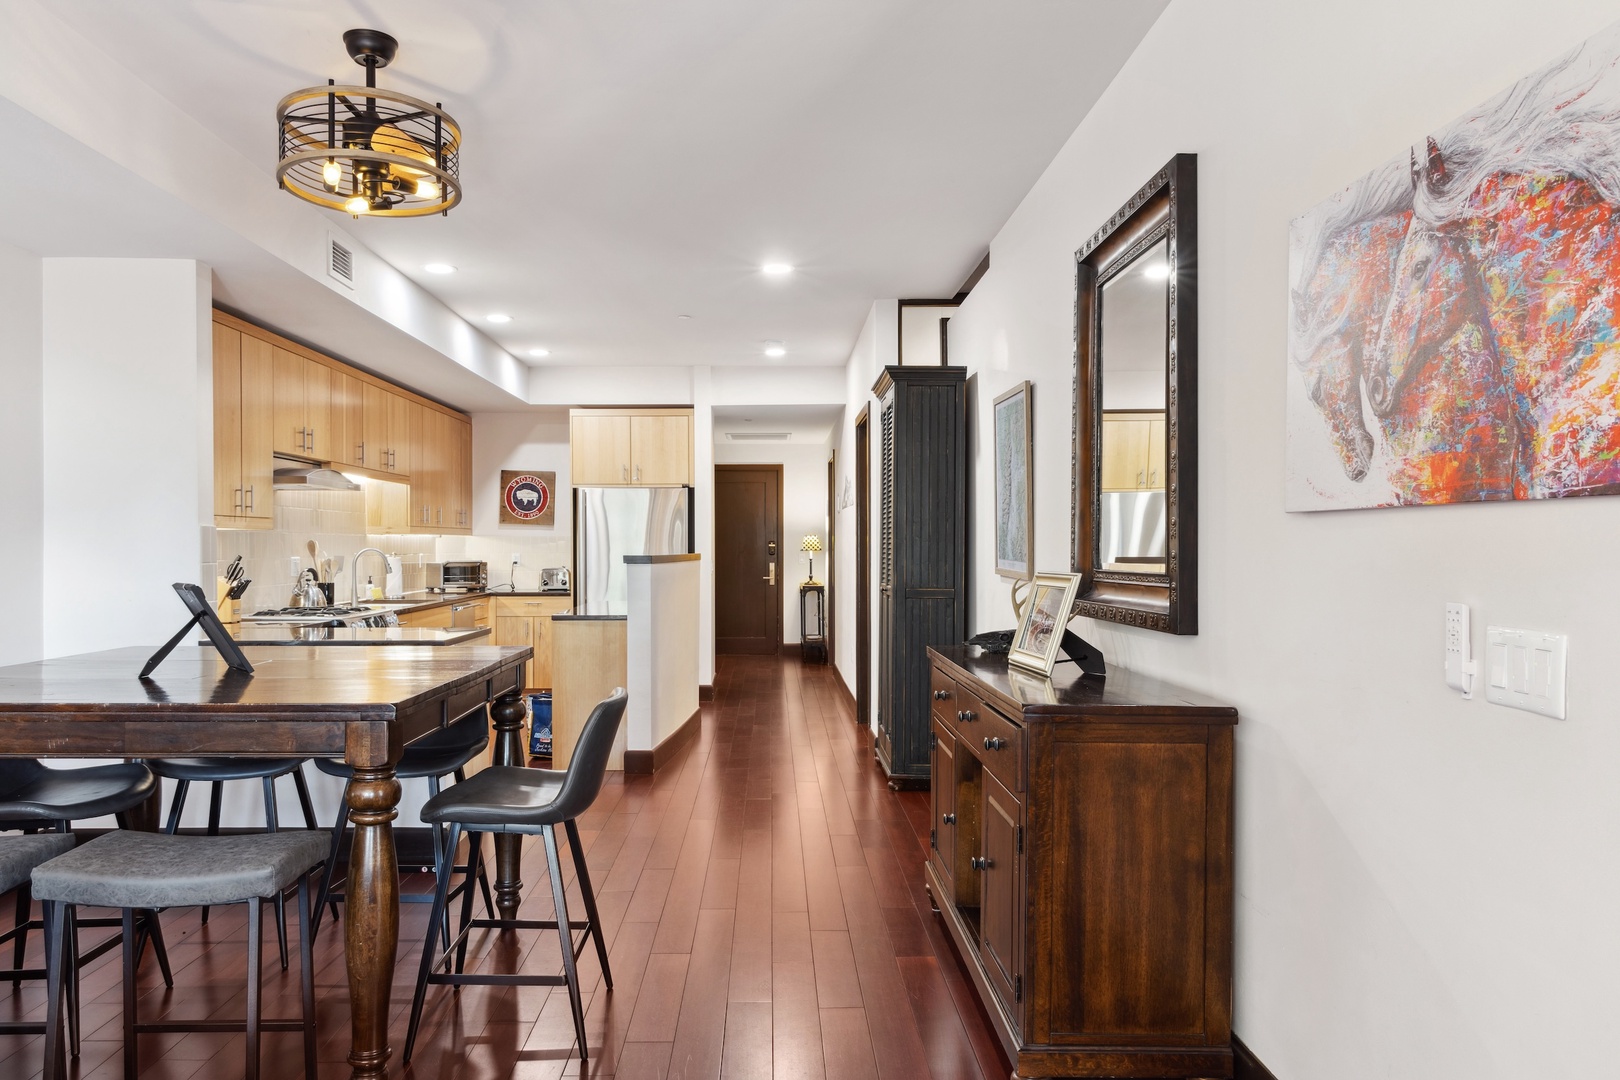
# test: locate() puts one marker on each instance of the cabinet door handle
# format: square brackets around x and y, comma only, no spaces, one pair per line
[238,500]
[949,819]
[250,499]
[626,473]
[312,440]
[993,743]
[942,695]
[360,455]
[638,474]
[981,864]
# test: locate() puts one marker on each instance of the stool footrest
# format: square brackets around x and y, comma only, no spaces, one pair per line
[446,979]
[159,1027]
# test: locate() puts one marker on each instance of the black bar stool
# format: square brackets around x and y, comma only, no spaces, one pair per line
[509,799]
[18,857]
[434,756]
[145,871]
[34,797]
[220,771]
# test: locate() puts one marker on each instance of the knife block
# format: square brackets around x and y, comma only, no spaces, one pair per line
[228,610]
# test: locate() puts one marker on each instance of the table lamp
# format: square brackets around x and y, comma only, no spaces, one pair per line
[812,544]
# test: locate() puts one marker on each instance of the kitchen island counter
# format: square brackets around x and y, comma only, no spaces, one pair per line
[283,634]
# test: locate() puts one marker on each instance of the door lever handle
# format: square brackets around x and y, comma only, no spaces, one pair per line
[771,577]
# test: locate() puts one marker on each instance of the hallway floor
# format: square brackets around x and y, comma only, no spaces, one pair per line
[766,917]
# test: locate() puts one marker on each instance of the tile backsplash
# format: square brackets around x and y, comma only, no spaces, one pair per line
[336,521]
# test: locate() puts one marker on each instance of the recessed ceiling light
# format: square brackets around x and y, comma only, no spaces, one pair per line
[1156,271]
[439,268]
[683,316]
[776,269]
[775,349]
[497,317]
[539,352]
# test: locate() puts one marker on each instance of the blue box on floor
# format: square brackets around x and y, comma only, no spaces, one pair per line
[540,724]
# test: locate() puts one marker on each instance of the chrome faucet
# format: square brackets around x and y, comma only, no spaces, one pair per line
[387,569]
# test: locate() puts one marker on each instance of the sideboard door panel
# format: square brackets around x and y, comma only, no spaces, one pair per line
[1140,831]
[942,796]
[1003,926]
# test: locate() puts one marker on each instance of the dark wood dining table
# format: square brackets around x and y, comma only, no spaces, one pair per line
[362,704]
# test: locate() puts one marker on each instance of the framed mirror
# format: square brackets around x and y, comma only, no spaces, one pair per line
[1135,489]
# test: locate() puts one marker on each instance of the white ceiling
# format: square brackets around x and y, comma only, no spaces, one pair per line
[629,161]
[803,424]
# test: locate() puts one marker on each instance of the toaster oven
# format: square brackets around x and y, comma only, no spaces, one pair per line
[466,577]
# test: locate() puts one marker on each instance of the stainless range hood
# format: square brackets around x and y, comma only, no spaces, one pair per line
[293,475]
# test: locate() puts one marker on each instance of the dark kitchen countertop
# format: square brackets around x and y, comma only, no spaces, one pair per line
[601,610]
[282,634]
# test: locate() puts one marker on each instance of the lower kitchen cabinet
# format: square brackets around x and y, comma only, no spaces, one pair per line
[526,620]
[1081,859]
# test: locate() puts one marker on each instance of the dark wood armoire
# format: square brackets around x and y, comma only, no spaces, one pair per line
[922,540]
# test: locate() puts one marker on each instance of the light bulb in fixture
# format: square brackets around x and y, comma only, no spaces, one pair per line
[497,317]
[1156,271]
[539,352]
[332,173]
[357,205]
[776,269]
[426,189]
[439,268]
[775,350]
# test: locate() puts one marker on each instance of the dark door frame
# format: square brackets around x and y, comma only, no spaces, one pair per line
[781,544]
[832,549]
[863,566]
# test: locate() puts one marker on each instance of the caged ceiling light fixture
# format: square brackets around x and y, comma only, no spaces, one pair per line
[367,150]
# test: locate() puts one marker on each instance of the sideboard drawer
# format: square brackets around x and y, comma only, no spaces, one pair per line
[992,738]
[943,695]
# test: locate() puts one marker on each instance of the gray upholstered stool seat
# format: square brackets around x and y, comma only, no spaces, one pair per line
[20,854]
[155,870]
[501,799]
[146,871]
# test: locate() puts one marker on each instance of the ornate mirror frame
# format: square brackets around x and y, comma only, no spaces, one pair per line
[1165,207]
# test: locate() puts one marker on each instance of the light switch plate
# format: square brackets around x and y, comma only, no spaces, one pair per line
[1525,669]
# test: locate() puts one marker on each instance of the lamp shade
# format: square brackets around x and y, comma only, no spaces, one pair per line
[810,543]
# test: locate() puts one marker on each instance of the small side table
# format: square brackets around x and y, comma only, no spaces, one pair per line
[813,620]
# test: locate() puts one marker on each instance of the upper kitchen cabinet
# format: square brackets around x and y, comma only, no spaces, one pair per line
[275,397]
[243,421]
[631,447]
[303,406]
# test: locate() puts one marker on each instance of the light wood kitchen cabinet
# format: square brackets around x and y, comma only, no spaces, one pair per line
[303,406]
[274,396]
[242,431]
[1133,451]
[348,419]
[526,620]
[630,447]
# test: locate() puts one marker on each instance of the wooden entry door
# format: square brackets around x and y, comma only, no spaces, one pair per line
[747,558]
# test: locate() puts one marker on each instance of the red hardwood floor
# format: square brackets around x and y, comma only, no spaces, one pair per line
[763,900]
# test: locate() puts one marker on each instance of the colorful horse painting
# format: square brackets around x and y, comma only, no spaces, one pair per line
[1460,341]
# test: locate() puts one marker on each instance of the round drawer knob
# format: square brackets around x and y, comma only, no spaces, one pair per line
[941,695]
[981,864]
[967,715]
[994,743]
[949,819]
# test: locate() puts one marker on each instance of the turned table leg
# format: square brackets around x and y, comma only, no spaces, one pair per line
[507,713]
[371,917]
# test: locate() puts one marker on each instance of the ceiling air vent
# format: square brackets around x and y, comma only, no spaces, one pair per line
[339,262]
[759,436]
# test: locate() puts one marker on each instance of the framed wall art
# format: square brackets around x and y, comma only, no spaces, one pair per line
[1454,315]
[528,498]
[1015,487]
[1046,615]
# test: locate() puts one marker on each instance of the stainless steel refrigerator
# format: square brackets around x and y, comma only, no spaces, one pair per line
[612,522]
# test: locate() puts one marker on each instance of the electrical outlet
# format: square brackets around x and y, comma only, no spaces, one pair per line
[517,557]
[1460,666]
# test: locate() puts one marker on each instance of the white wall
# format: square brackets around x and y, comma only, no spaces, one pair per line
[875,348]
[1425,884]
[22,450]
[661,653]
[128,448]
[804,511]
[536,441]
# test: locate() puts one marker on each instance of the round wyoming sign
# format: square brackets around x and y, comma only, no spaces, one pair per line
[526,497]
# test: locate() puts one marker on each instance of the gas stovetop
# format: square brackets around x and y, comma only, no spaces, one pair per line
[334,613]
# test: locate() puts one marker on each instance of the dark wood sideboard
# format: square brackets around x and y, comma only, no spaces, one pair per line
[1082,861]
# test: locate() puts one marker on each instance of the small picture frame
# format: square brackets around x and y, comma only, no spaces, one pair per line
[1015,483]
[1040,628]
